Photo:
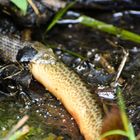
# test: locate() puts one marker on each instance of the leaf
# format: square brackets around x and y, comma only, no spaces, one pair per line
[113,132]
[21,4]
[109,28]
[127,124]
[59,14]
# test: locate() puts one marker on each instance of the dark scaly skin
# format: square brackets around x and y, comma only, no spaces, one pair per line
[67,86]
[9,47]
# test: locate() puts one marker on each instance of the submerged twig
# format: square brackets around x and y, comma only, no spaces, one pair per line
[122,65]
[18,134]
[118,79]
[114,45]
[105,64]
[23,131]
[110,69]
[54,3]
[34,7]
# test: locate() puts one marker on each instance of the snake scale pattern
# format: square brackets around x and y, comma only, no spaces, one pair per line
[62,82]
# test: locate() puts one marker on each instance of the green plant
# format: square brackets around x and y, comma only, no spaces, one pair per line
[59,14]
[21,4]
[109,28]
[128,128]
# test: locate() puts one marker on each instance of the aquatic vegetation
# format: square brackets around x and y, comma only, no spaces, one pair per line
[19,130]
[85,20]
[128,128]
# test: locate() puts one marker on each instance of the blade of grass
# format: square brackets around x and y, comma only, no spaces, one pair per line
[122,109]
[128,128]
[121,33]
[68,51]
[127,124]
[74,54]
[59,14]
[113,132]
[132,134]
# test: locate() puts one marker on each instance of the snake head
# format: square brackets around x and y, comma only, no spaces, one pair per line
[44,55]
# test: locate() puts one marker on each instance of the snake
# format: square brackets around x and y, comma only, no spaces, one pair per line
[65,84]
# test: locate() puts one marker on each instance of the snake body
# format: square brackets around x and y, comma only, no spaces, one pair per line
[66,86]
[9,47]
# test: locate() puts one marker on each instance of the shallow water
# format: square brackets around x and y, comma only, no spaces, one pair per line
[47,114]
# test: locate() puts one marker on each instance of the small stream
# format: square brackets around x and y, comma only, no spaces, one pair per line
[70,40]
